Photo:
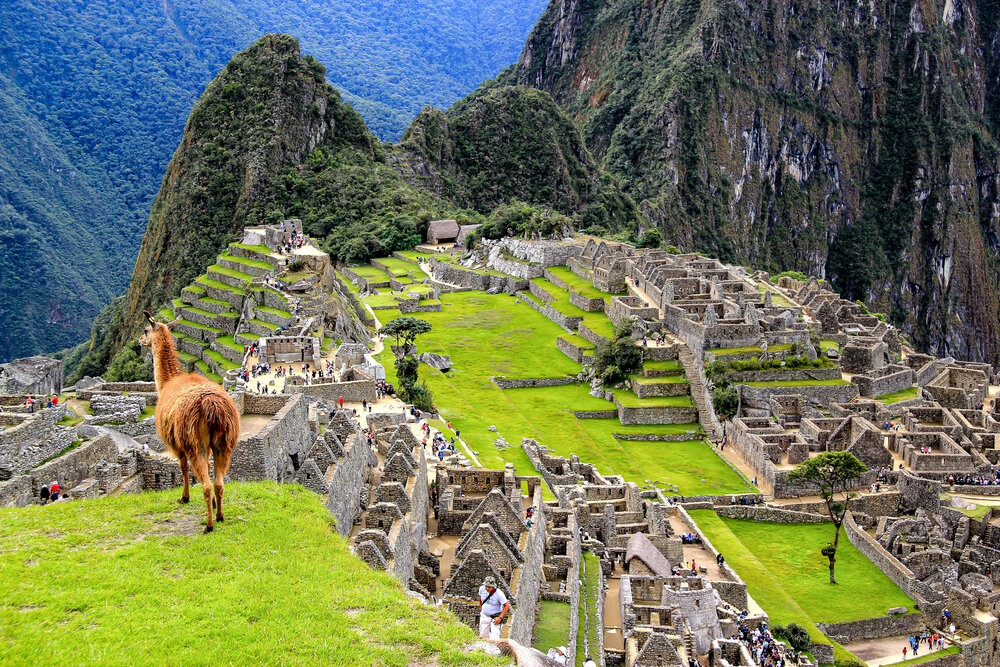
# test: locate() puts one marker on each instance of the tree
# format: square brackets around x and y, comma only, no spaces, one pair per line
[726,401]
[616,360]
[651,238]
[405,330]
[834,472]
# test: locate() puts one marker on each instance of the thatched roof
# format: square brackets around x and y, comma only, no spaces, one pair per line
[442,229]
[640,547]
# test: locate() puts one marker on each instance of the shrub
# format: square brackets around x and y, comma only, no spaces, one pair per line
[616,360]
[726,401]
[651,238]
[796,636]
[297,265]
[673,250]
[794,275]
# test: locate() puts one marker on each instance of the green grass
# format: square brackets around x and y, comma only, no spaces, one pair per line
[629,399]
[978,513]
[551,626]
[776,299]
[199,311]
[302,275]
[668,365]
[223,363]
[799,383]
[205,280]
[263,249]
[827,344]
[661,379]
[207,372]
[370,273]
[273,311]
[202,326]
[69,420]
[902,395]
[590,581]
[381,299]
[789,578]
[230,342]
[581,286]
[131,580]
[400,267]
[147,411]
[936,655]
[217,302]
[750,349]
[186,357]
[256,263]
[232,273]
[267,325]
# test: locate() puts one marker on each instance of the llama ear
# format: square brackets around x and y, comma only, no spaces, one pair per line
[170,325]
[149,318]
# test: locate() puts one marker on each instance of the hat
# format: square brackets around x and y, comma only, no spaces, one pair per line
[490,582]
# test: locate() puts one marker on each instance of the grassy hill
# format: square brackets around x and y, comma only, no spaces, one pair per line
[132,579]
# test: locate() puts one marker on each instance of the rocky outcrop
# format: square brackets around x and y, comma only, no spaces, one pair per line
[854,141]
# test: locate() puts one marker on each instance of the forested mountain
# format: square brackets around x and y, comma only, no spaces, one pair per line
[94,96]
[270,138]
[853,140]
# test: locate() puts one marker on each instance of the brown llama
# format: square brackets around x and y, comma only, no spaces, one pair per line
[193,416]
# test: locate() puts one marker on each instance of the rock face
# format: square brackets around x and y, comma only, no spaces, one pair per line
[850,140]
[438,361]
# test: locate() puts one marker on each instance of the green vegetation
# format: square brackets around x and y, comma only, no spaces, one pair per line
[205,280]
[581,286]
[273,311]
[902,395]
[935,655]
[223,363]
[827,344]
[248,262]
[82,577]
[232,273]
[628,399]
[65,450]
[228,341]
[587,642]
[551,625]
[617,359]
[203,368]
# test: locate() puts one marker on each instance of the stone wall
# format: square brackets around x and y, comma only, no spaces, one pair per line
[76,465]
[657,415]
[350,472]
[784,375]
[505,383]
[267,455]
[354,391]
[767,513]
[874,628]
[529,577]
[822,395]
[575,352]
[878,385]
[17,492]
[569,322]
[901,575]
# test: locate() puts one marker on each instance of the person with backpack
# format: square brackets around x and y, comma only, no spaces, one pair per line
[493,609]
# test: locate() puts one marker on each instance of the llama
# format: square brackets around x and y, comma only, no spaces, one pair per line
[193,415]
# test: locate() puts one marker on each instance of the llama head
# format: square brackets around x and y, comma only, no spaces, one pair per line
[155,332]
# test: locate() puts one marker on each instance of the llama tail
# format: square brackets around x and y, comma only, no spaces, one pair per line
[223,421]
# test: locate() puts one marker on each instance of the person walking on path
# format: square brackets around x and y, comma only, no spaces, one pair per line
[493,608]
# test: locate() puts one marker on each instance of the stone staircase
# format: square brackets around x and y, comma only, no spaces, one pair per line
[699,391]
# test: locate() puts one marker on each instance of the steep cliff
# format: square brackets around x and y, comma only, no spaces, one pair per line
[852,140]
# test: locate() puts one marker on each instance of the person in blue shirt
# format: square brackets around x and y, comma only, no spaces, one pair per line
[493,608]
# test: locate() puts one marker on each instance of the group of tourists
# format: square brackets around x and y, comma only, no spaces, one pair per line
[439,445]
[50,493]
[767,651]
[383,388]
[933,641]
[975,480]
[690,538]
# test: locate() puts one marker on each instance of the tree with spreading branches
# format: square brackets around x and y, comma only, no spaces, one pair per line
[834,472]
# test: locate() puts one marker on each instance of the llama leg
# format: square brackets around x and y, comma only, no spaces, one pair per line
[186,495]
[221,468]
[200,465]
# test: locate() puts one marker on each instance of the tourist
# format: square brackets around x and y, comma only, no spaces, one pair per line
[904,653]
[54,494]
[48,404]
[44,494]
[719,560]
[29,403]
[493,608]
[558,654]
[341,402]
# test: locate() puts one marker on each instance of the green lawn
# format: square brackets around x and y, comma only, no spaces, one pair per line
[789,578]
[629,399]
[263,249]
[401,267]
[936,655]
[587,644]
[897,396]
[132,580]
[827,344]
[256,263]
[668,365]
[777,300]
[579,285]
[551,626]
[232,273]
[370,273]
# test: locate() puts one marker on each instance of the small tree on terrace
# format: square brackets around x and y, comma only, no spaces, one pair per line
[834,472]
[405,330]
[616,360]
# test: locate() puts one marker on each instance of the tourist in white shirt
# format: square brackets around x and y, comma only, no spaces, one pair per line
[493,608]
